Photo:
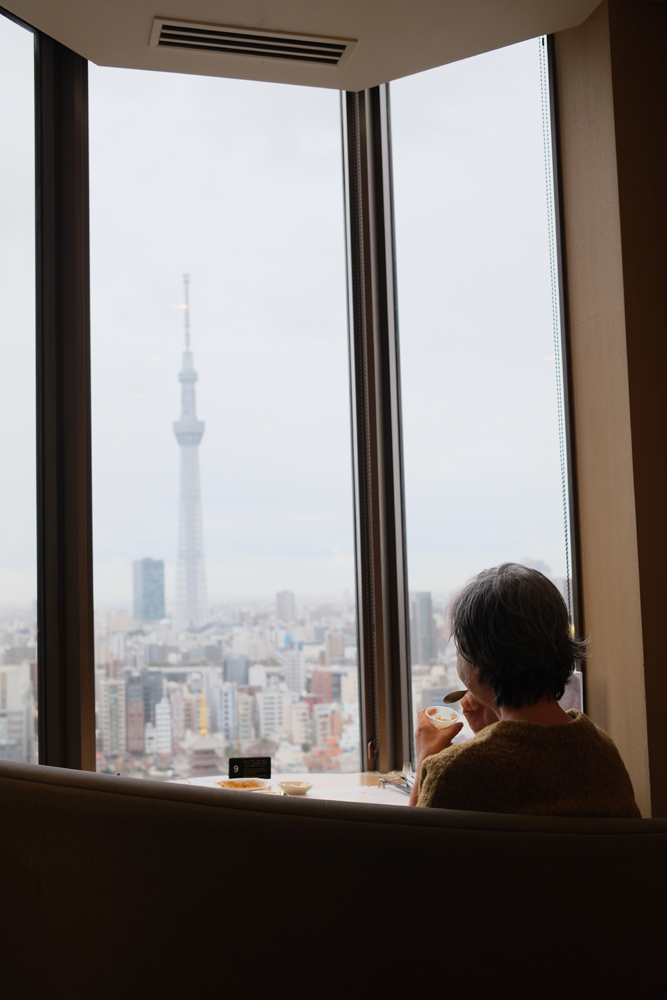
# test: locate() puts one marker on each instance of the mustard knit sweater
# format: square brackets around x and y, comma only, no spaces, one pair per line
[521,767]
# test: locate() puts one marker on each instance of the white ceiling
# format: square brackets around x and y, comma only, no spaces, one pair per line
[394,37]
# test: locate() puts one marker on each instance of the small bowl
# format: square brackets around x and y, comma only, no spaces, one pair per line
[295,787]
[442,716]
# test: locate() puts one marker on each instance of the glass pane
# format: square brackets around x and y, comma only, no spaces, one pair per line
[18,575]
[224,567]
[479,369]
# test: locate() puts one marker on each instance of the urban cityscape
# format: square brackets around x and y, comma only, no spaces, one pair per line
[182,686]
[260,679]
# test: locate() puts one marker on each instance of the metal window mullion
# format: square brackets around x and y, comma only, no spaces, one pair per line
[66,713]
[376,423]
[566,351]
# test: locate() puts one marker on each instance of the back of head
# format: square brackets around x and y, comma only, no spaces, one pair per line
[512,624]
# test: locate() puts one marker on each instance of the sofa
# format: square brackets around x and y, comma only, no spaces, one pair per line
[122,888]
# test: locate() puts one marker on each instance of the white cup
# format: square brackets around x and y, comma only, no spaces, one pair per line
[442,716]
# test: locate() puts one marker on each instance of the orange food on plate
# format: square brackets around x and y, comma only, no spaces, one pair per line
[240,783]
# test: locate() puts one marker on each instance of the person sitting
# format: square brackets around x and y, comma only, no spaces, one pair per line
[515,652]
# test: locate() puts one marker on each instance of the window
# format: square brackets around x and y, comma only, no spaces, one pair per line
[238,185]
[480,373]
[224,555]
[18,577]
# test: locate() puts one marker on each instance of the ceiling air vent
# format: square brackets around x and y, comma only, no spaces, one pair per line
[228,41]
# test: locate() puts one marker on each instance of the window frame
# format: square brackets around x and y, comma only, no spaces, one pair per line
[66,697]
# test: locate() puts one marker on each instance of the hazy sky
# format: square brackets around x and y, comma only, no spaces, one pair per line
[480,412]
[240,185]
[17,295]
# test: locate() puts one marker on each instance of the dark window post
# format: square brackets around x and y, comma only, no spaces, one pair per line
[64,507]
[376,431]
[570,473]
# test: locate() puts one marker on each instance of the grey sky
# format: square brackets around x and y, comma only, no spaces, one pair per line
[479,394]
[17,294]
[240,185]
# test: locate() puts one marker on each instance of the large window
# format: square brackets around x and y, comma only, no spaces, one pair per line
[18,577]
[224,554]
[250,586]
[481,404]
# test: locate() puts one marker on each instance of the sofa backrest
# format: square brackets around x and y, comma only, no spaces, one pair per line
[115,887]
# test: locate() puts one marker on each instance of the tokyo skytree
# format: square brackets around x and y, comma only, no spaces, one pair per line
[191,597]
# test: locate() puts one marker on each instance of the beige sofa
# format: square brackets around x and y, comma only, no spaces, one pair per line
[120,888]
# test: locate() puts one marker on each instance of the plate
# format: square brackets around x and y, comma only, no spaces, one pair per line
[244,784]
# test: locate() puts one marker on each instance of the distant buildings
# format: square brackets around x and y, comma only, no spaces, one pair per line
[148,578]
[293,669]
[423,641]
[134,702]
[16,713]
[285,606]
[334,647]
[163,726]
[171,705]
[235,669]
[273,707]
[114,720]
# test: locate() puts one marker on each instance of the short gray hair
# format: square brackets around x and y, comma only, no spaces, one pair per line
[511,623]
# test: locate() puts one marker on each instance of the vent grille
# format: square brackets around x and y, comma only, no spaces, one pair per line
[248,42]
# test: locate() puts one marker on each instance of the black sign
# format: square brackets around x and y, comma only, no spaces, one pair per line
[249,767]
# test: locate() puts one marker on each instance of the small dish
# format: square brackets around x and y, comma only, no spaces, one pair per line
[442,716]
[294,787]
[244,784]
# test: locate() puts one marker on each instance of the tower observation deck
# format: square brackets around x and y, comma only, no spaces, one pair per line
[191,609]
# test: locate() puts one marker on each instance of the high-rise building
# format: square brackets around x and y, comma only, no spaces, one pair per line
[235,669]
[176,701]
[163,726]
[349,686]
[298,724]
[334,647]
[114,720]
[291,661]
[225,699]
[153,688]
[322,724]
[285,606]
[148,605]
[17,712]
[246,718]
[272,708]
[191,610]
[423,642]
[134,705]
[320,683]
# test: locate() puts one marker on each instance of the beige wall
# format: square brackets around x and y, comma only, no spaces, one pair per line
[612,97]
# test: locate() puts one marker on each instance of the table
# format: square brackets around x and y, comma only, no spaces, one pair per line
[357,786]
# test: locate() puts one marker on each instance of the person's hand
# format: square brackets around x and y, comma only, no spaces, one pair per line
[429,740]
[479,716]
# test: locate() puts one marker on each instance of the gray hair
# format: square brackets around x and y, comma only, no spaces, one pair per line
[511,623]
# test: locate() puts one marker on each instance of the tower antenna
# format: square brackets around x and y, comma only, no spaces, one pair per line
[186,286]
[191,609]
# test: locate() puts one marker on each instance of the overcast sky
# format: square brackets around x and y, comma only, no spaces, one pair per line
[240,185]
